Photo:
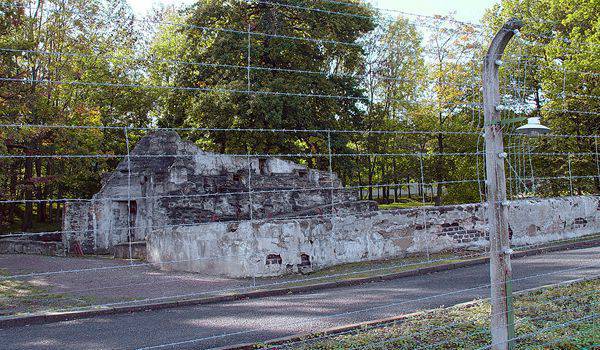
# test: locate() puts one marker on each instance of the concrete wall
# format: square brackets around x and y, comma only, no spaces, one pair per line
[270,248]
[137,250]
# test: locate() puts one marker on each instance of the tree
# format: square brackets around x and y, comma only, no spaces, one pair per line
[65,53]
[294,63]
[453,75]
[393,74]
[556,60]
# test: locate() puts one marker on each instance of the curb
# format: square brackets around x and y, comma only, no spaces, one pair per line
[54,317]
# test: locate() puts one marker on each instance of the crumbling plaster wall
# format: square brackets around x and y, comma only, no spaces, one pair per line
[169,182]
[97,224]
[271,248]
[545,220]
[77,226]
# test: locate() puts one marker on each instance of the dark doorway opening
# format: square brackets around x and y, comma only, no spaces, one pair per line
[125,220]
[262,166]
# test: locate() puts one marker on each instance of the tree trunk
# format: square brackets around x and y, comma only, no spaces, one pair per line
[13,193]
[28,194]
[3,212]
[395,170]
[360,182]
[58,213]
[358,170]
[48,190]
[50,214]
[386,196]
[440,171]
[41,205]
[371,173]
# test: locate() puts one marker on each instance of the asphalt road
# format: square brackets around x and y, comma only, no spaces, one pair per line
[204,327]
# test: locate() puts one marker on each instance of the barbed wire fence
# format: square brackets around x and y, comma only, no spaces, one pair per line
[352,165]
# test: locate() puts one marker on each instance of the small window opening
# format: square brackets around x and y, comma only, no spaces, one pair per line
[237,177]
[303,173]
[305,260]
[274,259]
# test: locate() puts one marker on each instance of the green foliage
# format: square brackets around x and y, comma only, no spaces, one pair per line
[239,65]
[276,99]
[52,43]
[559,50]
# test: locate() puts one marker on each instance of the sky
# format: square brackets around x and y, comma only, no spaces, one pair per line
[466,10]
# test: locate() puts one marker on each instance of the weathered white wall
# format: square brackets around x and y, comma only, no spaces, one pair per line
[242,249]
[544,220]
[169,182]
[76,225]
[102,222]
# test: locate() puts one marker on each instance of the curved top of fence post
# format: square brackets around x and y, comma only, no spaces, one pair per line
[491,93]
[502,39]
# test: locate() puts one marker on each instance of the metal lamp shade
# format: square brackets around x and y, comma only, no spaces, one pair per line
[533,127]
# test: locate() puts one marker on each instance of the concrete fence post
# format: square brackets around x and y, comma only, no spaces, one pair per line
[502,319]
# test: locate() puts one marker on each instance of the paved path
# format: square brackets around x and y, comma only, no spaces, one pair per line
[259,320]
[113,281]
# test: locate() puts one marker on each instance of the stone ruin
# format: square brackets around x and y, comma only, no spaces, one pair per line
[184,209]
[168,182]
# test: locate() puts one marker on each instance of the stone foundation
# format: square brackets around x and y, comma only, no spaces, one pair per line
[276,247]
[138,251]
[26,246]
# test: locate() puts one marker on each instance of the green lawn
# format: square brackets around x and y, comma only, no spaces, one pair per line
[538,317]
[404,205]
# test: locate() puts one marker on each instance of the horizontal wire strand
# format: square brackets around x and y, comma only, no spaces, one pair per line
[216,90]
[338,315]
[358,271]
[271,284]
[407,336]
[237,31]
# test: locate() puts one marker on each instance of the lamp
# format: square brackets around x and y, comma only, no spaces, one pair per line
[533,127]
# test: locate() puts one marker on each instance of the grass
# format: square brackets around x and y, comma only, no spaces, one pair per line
[37,227]
[587,238]
[19,297]
[538,316]
[404,205]
[368,269]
